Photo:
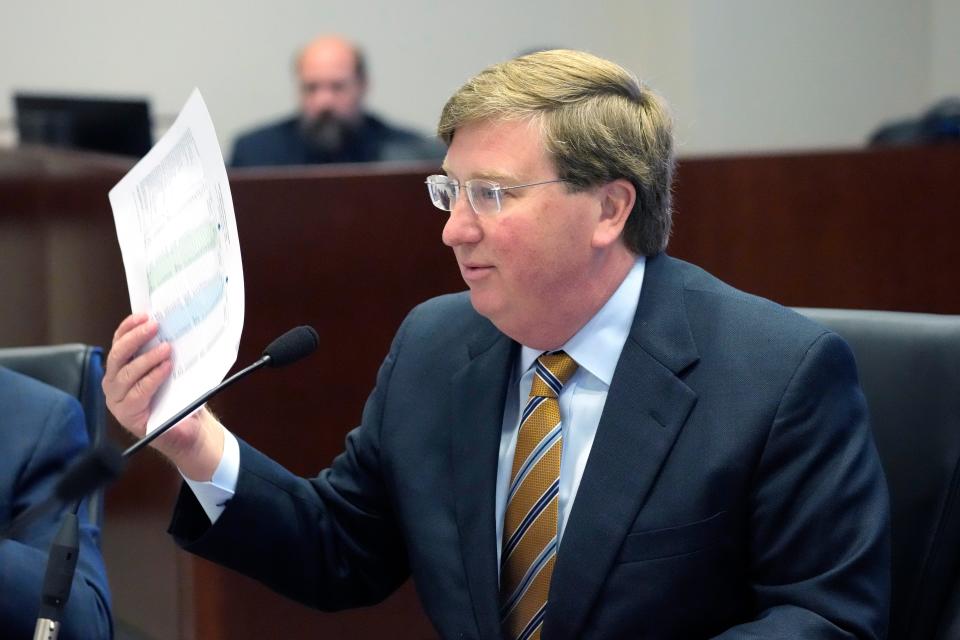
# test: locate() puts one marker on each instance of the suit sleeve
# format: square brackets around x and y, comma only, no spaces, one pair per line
[23,560]
[820,546]
[330,542]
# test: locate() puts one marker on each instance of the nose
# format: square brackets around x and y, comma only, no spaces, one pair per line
[463,225]
[322,97]
[317,98]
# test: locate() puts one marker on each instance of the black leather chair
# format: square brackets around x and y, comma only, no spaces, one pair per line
[909,366]
[76,369]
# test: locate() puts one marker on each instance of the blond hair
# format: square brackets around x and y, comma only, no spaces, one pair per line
[599,123]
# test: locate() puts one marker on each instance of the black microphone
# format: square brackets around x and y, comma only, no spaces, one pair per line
[295,344]
[95,467]
[103,463]
[98,465]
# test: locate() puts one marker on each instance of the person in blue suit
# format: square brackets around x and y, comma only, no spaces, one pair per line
[597,440]
[42,430]
[332,125]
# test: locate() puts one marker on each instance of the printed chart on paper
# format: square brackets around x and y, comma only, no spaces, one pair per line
[178,236]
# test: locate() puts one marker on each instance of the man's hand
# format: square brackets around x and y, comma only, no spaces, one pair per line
[130,383]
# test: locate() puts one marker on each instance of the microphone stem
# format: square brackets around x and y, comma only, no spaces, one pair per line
[58,577]
[46,629]
[159,431]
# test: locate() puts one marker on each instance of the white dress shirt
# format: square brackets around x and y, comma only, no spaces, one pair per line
[596,349]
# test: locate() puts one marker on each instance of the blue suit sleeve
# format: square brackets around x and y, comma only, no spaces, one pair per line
[820,539]
[330,542]
[61,436]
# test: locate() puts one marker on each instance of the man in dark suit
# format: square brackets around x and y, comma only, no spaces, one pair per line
[41,430]
[597,441]
[332,125]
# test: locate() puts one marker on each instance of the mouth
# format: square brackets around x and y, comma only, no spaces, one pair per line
[473,272]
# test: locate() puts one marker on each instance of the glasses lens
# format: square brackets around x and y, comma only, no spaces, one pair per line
[443,192]
[484,196]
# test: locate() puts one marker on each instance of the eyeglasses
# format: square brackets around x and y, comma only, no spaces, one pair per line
[485,196]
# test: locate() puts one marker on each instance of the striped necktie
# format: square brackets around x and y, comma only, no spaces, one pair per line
[530,523]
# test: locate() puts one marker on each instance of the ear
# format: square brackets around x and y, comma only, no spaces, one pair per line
[616,203]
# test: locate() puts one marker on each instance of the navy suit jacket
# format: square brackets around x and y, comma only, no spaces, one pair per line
[41,430]
[733,488]
[282,143]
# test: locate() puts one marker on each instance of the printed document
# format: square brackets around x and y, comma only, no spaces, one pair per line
[178,237]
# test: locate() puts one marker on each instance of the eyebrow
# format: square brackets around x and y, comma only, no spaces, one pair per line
[494,176]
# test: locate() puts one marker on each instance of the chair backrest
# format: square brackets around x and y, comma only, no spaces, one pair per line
[76,369]
[909,365]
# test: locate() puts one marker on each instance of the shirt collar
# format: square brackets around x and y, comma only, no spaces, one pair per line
[597,346]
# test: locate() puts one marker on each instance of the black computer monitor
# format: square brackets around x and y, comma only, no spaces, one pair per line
[120,126]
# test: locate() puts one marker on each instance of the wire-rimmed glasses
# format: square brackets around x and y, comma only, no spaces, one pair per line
[485,196]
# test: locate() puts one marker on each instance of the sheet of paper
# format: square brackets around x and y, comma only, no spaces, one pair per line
[178,237]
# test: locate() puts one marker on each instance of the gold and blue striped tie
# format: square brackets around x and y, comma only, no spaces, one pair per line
[530,537]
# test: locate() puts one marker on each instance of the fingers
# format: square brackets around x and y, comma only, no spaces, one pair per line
[130,380]
[130,336]
[129,323]
[139,380]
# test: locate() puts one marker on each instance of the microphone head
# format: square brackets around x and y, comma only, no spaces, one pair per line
[95,467]
[295,344]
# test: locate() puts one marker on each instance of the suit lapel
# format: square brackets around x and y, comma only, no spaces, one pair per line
[479,393]
[646,407]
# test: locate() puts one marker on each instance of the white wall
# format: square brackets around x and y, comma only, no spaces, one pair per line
[741,75]
[945,48]
[819,73]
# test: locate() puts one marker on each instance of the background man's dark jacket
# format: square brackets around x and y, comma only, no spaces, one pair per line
[283,143]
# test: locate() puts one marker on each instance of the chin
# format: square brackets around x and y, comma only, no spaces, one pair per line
[485,305]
